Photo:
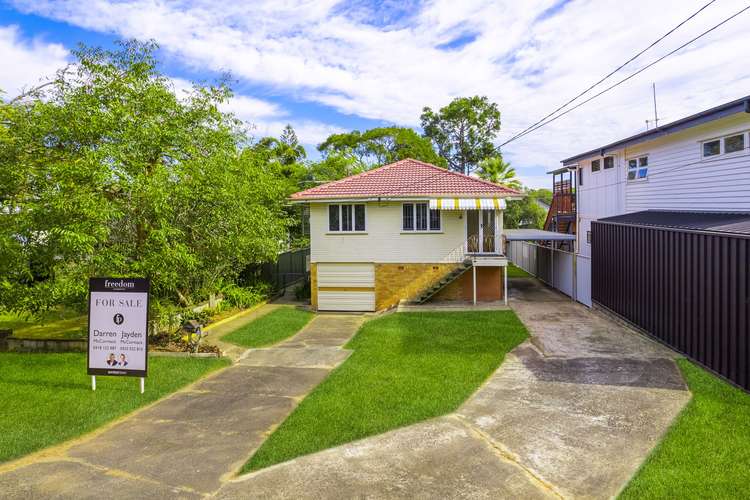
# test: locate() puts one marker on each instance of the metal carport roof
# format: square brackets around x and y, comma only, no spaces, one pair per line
[536,235]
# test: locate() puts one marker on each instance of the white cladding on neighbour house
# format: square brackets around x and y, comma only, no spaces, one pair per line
[676,175]
[697,164]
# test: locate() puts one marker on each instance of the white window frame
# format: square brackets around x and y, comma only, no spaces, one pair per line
[591,165]
[614,162]
[341,219]
[722,145]
[414,230]
[638,167]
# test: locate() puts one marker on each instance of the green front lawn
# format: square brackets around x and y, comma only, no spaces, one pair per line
[405,368]
[706,453]
[56,324]
[516,272]
[46,399]
[270,328]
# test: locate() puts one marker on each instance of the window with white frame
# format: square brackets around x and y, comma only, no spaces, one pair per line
[609,162]
[729,144]
[346,218]
[711,148]
[596,165]
[638,168]
[734,143]
[419,217]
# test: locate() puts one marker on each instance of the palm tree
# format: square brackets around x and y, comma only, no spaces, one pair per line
[496,170]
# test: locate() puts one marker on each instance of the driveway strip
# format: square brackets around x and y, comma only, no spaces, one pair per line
[571,413]
[188,444]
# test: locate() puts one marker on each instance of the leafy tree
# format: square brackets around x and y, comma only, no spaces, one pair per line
[106,172]
[527,212]
[286,149]
[379,146]
[496,170]
[331,168]
[462,131]
[544,195]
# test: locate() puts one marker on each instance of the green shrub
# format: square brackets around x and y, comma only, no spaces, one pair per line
[245,296]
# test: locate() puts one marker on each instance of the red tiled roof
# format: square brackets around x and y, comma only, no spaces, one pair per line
[406,178]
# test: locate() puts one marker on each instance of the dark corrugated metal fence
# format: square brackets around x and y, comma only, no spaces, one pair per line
[689,289]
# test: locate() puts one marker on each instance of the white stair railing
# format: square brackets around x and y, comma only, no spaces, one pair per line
[460,253]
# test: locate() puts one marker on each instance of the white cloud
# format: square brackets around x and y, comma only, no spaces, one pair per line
[265,118]
[316,51]
[251,109]
[26,62]
[309,132]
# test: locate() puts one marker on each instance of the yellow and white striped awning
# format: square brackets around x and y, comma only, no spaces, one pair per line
[467,204]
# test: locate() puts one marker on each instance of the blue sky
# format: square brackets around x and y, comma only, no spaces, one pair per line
[327,66]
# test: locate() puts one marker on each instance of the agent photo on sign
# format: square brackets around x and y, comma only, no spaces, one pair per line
[111,359]
[123,361]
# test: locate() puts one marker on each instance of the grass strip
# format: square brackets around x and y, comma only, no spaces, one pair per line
[46,399]
[706,453]
[405,368]
[270,328]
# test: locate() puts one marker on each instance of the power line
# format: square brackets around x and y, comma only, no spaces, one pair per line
[546,121]
[616,69]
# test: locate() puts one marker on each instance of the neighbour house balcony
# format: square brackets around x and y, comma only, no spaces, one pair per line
[561,217]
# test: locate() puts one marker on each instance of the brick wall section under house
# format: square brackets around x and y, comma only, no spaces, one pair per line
[394,282]
[489,286]
[314,286]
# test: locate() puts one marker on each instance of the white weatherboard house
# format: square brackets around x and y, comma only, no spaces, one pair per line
[700,163]
[405,231]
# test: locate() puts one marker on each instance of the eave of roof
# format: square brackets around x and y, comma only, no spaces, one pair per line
[738,106]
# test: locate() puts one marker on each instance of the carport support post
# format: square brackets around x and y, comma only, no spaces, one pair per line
[552,264]
[474,282]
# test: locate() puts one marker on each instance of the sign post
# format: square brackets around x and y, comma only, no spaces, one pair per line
[118,328]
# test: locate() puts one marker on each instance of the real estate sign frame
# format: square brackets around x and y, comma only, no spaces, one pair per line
[118,327]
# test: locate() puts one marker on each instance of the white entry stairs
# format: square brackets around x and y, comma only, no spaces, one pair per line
[449,278]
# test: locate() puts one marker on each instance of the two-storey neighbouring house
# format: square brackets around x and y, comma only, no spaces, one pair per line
[663,234]
[405,231]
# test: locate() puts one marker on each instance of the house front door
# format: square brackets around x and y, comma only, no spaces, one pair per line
[481,231]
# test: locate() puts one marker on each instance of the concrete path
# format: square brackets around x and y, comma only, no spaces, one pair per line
[572,413]
[190,443]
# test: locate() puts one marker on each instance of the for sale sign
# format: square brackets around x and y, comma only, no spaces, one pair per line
[118,322]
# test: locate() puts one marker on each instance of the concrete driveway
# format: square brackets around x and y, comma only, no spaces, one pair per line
[571,413]
[188,444]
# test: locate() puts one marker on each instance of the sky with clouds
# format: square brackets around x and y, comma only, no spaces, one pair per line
[328,66]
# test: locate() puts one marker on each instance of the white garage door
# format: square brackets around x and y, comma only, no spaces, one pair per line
[338,284]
